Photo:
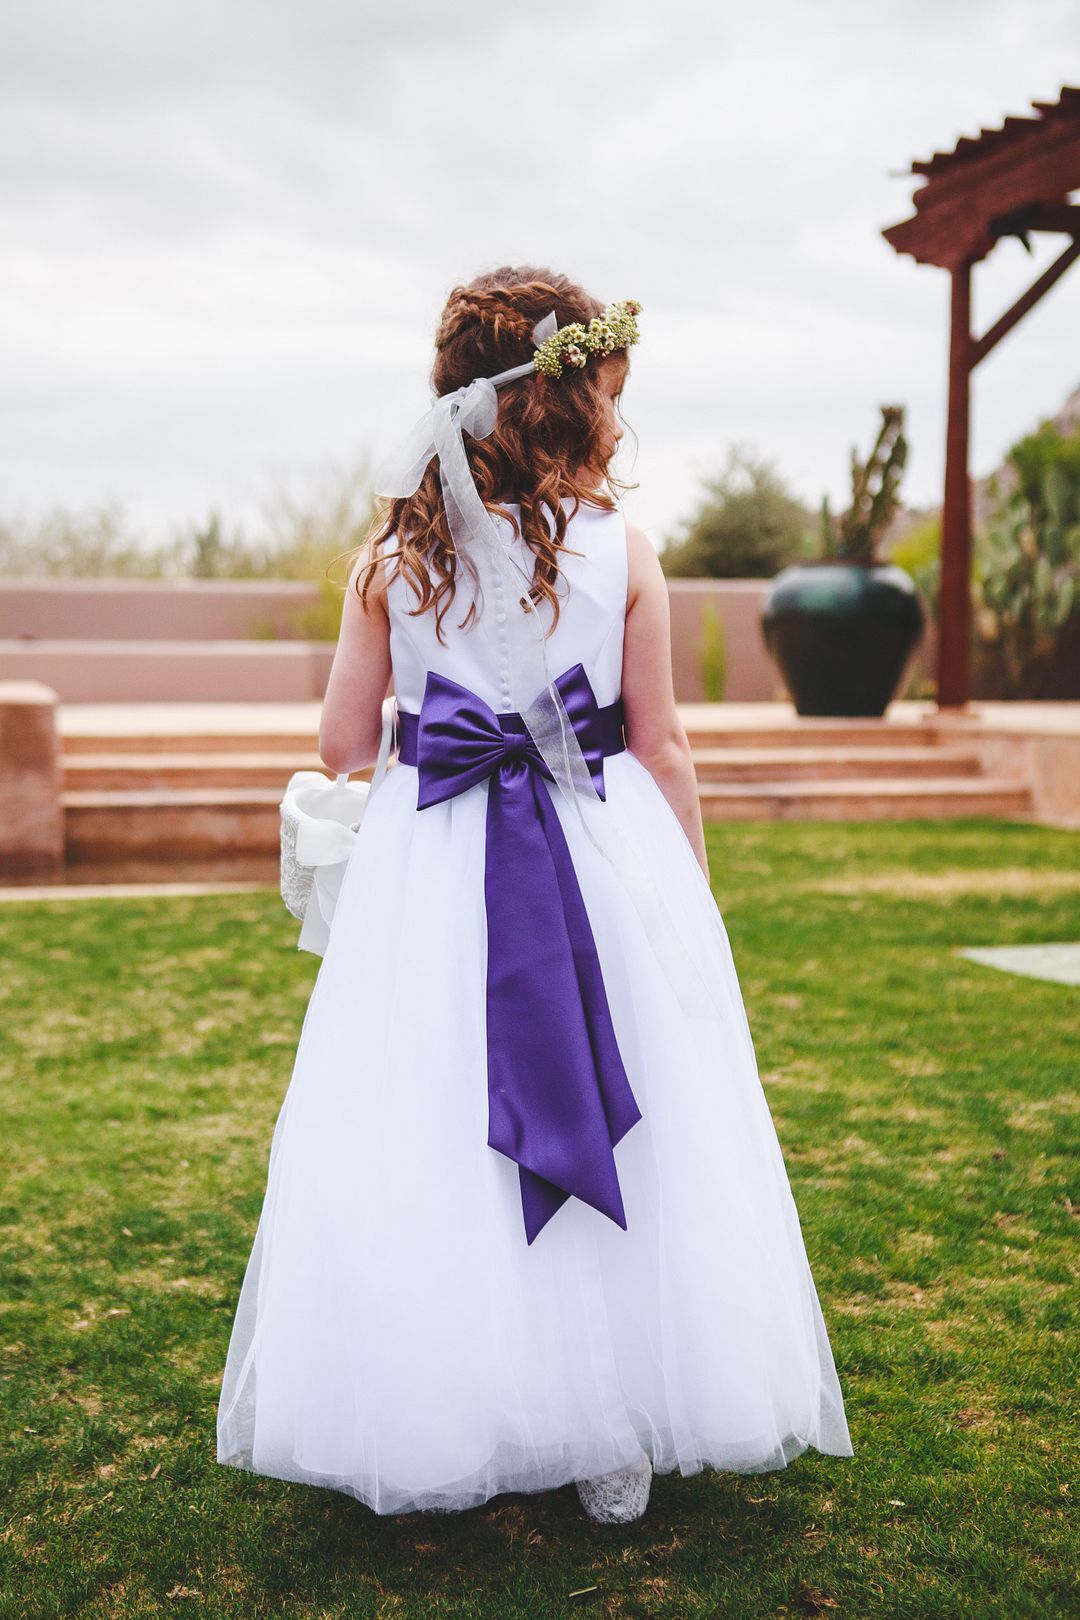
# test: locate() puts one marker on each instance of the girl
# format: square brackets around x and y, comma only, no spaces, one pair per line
[527,1220]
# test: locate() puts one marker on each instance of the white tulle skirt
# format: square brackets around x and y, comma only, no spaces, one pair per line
[396,1338]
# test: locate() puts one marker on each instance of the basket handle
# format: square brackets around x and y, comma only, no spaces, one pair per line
[386,742]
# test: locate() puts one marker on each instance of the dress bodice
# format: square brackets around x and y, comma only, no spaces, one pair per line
[592,609]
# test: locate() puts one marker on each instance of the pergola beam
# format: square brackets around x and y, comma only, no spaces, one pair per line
[1057,217]
[981,347]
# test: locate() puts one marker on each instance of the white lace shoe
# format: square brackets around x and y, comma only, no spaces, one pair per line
[619,1497]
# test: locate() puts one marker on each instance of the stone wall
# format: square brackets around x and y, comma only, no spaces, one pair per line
[31,818]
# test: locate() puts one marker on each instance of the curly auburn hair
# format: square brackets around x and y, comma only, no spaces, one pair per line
[546,444]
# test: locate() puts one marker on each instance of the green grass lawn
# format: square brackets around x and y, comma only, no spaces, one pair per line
[926,1109]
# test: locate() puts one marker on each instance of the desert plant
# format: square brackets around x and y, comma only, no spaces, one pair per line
[306,532]
[321,620]
[1026,585]
[856,535]
[919,554]
[748,524]
[205,552]
[92,543]
[299,536]
[712,654]
[1032,457]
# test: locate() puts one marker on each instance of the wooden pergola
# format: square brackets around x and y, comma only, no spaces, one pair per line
[1003,182]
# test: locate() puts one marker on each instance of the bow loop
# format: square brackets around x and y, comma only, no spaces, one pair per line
[476,407]
[459,741]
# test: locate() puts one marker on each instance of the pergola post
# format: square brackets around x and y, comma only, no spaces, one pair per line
[954,617]
[1003,182]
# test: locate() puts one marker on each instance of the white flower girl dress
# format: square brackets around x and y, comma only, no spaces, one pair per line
[428,1316]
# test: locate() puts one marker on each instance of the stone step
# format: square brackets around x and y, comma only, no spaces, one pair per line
[828,763]
[166,824]
[156,729]
[704,732]
[228,823]
[130,771]
[805,734]
[879,799]
[96,773]
[135,741]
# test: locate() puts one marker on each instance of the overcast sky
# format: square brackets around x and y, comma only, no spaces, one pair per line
[228,228]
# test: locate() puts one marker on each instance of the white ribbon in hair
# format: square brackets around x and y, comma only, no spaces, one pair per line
[471,409]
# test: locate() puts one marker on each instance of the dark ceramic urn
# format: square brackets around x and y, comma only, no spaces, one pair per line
[842,634]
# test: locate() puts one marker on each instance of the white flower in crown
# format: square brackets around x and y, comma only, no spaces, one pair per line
[572,345]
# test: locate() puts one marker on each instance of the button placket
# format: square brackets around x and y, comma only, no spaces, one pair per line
[503,640]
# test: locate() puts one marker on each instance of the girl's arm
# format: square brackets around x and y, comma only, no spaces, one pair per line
[351,725]
[654,732]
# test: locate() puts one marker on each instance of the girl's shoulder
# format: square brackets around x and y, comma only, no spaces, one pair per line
[643,570]
[369,564]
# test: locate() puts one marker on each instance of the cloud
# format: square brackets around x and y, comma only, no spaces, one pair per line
[230,228]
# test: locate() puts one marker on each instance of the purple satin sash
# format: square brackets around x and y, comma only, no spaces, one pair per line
[558,1096]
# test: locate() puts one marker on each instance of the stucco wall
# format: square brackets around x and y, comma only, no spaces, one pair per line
[163,641]
[150,610]
[751,674]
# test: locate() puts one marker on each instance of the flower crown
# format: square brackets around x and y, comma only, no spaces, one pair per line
[572,345]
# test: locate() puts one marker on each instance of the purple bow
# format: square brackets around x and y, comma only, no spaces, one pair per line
[558,1095]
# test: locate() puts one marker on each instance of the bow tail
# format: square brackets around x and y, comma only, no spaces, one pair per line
[617,1099]
[559,1098]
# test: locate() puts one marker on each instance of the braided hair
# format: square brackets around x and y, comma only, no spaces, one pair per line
[546,445]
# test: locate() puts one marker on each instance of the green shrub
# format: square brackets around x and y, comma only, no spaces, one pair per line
[297,536]
[747,525]
[712,654]
[919,553]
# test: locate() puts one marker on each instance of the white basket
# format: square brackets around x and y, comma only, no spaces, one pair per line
[320,818]
[319,821]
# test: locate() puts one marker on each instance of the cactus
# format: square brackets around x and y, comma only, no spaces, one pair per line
[1027,579]
[856,535]
[828,533]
